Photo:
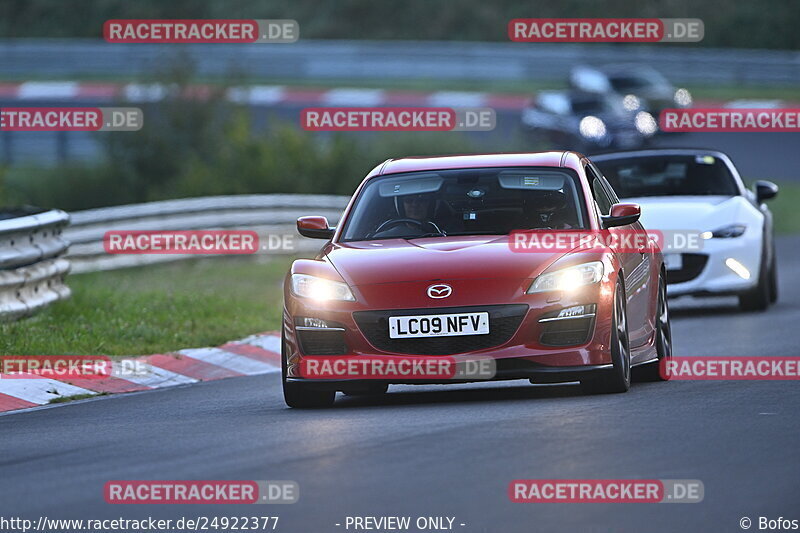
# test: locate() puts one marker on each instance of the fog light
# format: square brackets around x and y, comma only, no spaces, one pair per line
[738,268]
[314,323]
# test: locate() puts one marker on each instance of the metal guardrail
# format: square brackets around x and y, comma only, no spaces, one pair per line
[360,60]
[32,270]
[266,214]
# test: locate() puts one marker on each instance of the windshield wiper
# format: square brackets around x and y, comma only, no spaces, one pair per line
[431,234]
[465,233]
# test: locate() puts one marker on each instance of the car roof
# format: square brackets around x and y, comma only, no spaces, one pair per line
[527,159]
[623,68]
[656,152]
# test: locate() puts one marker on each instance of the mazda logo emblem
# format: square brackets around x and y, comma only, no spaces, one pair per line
[440,291]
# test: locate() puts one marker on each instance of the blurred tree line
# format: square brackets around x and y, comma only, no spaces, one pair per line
[739,24]
[193,145]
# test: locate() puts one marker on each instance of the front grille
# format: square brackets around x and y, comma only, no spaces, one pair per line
[322,342]
[692,266]
[568,332]
[503,323]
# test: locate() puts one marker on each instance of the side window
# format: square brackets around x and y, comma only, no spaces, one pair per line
[601,198]
[612,194]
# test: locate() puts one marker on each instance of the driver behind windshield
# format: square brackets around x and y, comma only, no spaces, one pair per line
[548,210]
[413,217]
[418,207]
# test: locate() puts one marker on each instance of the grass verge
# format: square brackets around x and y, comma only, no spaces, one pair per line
[74,397]
[156,309]
[784,209]
[523,87]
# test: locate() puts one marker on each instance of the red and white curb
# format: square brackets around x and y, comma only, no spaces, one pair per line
[266,95]
[257,354]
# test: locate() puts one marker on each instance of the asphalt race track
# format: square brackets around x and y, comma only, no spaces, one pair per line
[442,451]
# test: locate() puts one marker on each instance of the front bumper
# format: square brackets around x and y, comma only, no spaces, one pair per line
[716,278]
[507,369]
[519,352]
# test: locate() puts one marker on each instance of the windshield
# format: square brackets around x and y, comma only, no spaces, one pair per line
[628,83]
[596,104]
[590,104]
[670,175]
[488,201]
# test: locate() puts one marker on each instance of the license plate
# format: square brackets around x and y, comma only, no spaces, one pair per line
[407,327]
[673,261]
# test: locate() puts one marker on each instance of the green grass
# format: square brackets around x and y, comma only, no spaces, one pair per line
[74,397]
[156,309]
[784,207]
[523,87]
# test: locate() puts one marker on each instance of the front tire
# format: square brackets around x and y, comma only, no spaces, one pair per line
[301,395]
[652,371]
[618,379]
[773,278]
[758,298]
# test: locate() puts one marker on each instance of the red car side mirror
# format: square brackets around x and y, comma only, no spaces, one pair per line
[622,215]
[314,227]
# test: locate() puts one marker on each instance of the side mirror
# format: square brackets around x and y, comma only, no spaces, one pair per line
[622,215]
[765,190]
[314,227]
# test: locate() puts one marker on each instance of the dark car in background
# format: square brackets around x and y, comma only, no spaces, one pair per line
[641,88]
[587,121]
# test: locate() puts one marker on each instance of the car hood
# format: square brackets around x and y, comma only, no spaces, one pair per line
[698,213]
[436,258]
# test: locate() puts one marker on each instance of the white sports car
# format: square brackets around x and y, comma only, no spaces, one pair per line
[685,190]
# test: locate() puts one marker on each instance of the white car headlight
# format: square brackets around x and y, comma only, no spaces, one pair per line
[568,279]
[320,289]
[592,127]
[645,123]
[631,102]
[683,98]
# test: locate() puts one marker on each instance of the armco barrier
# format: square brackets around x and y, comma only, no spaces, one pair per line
[310,59]
[32,270]
[267,214]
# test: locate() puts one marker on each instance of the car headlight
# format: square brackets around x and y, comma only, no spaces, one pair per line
[568,279]
[645,123]
[727,232]
[631,102]
[683,98]
[592,127]
[320,289]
